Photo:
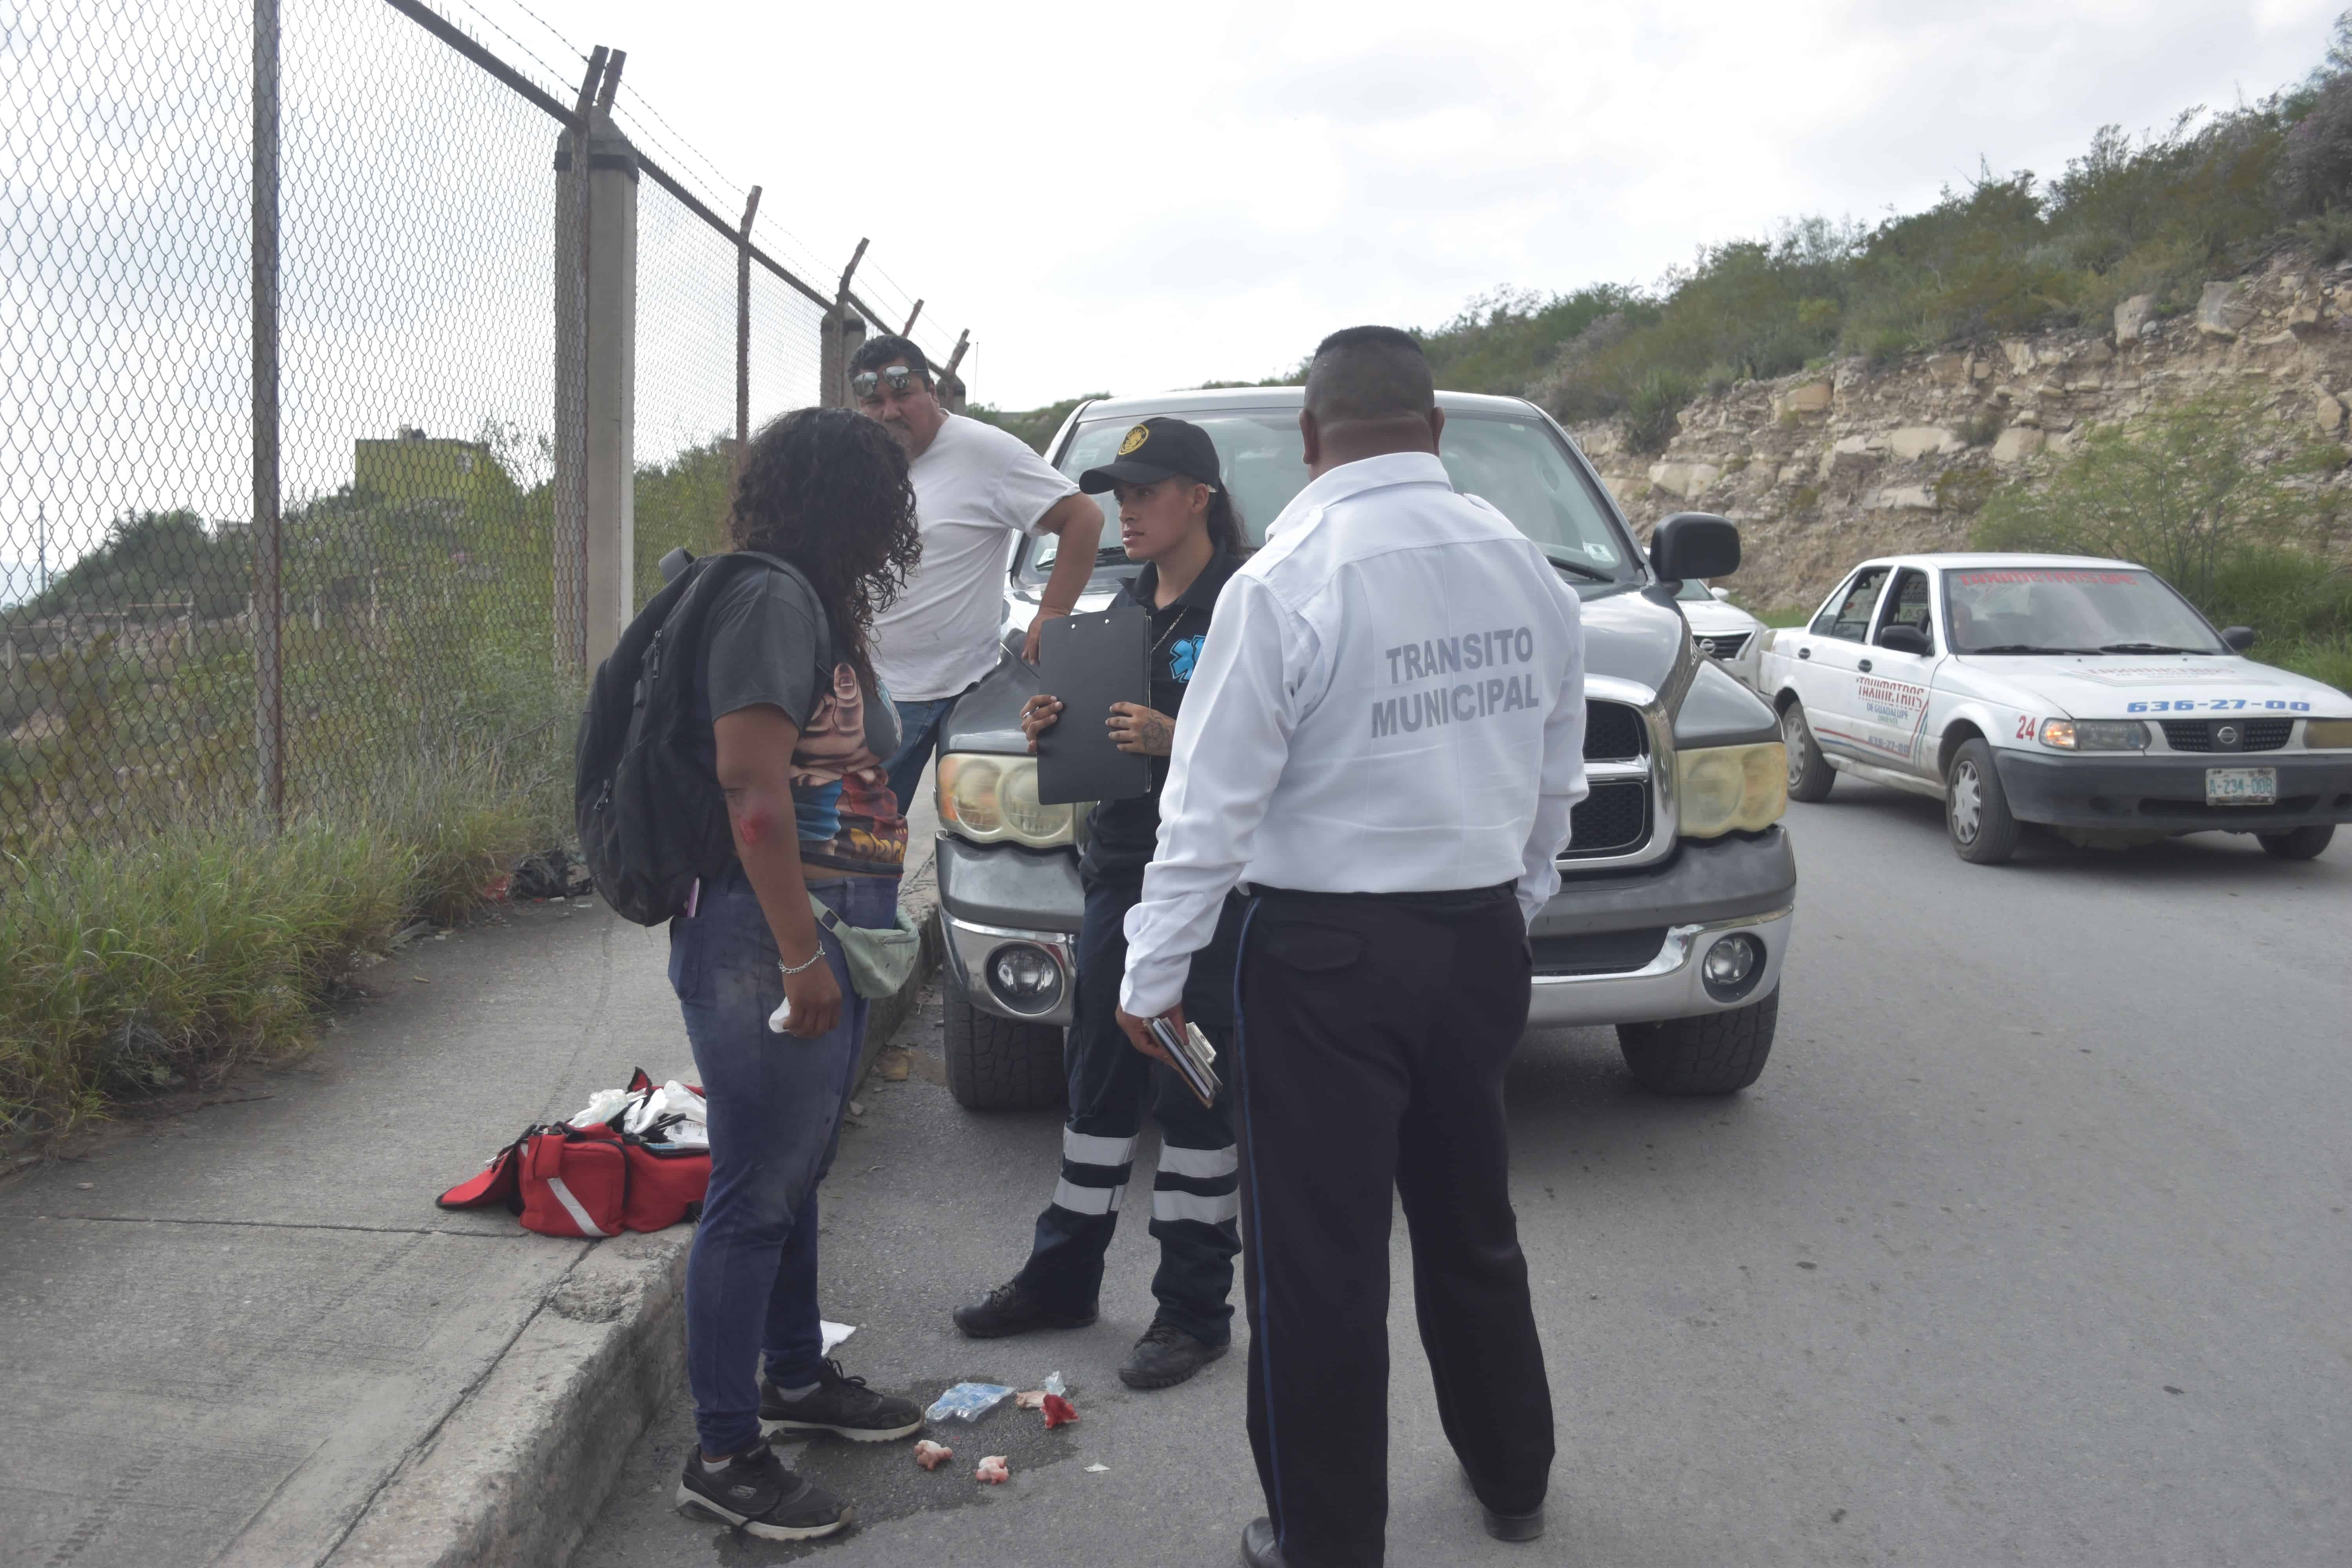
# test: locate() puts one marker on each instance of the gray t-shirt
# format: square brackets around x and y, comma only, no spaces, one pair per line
[766,643]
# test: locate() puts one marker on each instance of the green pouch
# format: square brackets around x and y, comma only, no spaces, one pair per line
[879,960]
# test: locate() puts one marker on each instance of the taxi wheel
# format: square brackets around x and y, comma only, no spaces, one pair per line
[2297,843]
[1810,773]
[1714,1053]
[995,1064]
[1975,808]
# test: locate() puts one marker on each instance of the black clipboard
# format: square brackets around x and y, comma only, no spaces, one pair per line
[1090,662]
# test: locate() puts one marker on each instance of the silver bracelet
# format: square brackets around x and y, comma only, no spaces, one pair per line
[809,963]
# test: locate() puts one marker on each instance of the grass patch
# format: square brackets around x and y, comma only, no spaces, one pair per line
[126,970]
[2322,659]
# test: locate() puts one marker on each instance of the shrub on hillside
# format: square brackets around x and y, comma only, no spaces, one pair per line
[2183,491]
[2215,497]
[1652,415]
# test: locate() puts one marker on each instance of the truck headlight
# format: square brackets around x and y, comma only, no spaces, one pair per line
[992,799]
[1725,787]
[2095,734]
[1730,786]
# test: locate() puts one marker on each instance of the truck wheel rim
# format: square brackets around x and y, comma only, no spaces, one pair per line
[1968,803]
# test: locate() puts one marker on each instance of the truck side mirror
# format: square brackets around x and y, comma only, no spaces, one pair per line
[2237,639]
[1694,545]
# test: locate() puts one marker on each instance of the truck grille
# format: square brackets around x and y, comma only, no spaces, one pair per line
[1614,819]
[2253,734]
[1727,645]
[1613,733]
[1600,952]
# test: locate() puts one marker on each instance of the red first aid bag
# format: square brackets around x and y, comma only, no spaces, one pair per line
[588,1182]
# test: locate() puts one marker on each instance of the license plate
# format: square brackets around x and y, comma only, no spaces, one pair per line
[2241,786]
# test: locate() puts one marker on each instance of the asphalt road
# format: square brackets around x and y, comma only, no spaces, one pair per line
[2031,1246]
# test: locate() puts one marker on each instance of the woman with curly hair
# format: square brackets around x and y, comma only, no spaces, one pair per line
[798,732]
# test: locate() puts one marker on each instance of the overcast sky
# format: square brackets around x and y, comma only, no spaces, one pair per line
[1112,199]
[1129,197]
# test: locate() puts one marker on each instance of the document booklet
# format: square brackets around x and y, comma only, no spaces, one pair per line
[1195,1057]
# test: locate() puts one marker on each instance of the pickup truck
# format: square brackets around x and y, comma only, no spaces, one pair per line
[1679,885]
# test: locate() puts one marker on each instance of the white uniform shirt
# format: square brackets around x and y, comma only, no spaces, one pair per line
[976,486]
[1390,700]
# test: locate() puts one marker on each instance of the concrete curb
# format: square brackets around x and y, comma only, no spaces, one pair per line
[519,1471]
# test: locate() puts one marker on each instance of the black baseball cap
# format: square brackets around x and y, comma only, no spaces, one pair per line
[1154,451]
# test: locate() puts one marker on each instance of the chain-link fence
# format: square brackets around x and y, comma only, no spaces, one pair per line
[305,309]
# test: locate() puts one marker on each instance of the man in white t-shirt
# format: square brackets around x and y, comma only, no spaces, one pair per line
[976,487]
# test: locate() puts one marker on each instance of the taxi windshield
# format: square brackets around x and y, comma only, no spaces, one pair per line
[1516,466]
[2070,609]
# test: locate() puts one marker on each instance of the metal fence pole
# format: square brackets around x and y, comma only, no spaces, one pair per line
[743,329]
[268,694]
[570,564]
[951,388]
[839,334]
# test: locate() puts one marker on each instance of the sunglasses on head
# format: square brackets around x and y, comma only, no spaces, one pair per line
[901,378]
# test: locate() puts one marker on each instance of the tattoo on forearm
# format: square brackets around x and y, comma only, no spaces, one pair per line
[1154,733]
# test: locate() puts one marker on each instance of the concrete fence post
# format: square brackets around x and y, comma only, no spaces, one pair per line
[569,562]
[612,379]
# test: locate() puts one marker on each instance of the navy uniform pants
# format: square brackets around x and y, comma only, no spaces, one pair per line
[1374,1033]
[1195,1200]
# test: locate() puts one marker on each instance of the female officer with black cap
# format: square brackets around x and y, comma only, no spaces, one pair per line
[1175,516]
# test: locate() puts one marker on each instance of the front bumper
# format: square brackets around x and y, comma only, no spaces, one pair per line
[1000,894]
[2162,794]
[1613,949]
[1627,949]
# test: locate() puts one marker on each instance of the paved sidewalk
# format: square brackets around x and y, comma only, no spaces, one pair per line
[228,1332]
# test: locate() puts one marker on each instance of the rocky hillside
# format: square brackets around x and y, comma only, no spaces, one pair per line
[1825,467]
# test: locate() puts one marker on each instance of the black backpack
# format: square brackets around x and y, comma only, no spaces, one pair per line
[651,817]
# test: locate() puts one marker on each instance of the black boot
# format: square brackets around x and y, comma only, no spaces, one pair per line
[1010,1310]
[1259,1548]
[1166,1355]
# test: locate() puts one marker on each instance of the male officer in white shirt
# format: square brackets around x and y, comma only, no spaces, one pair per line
[975,488]
[1382,742]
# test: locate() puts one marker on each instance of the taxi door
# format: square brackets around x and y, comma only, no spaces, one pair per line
[1828,658]
[1891,685]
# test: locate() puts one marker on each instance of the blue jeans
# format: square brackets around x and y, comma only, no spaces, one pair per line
[918,736]
[775,1118]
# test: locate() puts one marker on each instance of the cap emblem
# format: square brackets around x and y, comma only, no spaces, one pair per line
[1135,437]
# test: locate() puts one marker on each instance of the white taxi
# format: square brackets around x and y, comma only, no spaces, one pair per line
[2082,694]
[1722,630]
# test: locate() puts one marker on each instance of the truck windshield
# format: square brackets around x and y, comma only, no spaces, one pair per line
[1516,466]
[2071,609]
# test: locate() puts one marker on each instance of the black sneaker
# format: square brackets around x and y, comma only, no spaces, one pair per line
[1010,1310]
[755,1493]
[1165,1356]
[842,1406]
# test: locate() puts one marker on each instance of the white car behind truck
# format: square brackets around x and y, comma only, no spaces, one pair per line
[1722,631]
[2082,694]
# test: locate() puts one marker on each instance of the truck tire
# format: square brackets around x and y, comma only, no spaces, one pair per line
[2297,843]
[1975,808]
[1810,773]
[1715,1053]
[995,1064]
